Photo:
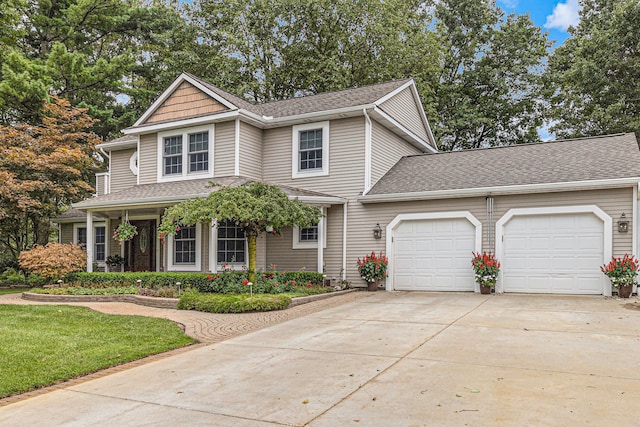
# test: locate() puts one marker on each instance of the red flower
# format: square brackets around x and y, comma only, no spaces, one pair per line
[245,282]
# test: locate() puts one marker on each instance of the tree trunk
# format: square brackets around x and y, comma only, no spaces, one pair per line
[41,231]
[252,257]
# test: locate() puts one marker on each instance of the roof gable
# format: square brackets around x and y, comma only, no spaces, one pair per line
[186,97]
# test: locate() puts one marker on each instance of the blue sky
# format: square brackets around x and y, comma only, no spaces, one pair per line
[552,15]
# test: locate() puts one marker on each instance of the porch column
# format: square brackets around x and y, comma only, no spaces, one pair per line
[89,242]
[321,225]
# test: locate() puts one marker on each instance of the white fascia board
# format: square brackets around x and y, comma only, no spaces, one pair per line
[114,146]
[423,115]
[156,201]
[319,200]
[181,123]
[211,93]
[406,131]
[416,96]
[172,87]
[315,116]
[394,92]
[504,190]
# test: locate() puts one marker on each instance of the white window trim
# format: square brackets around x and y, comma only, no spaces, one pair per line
[172,266]
[76,226]
[297,244]
[184,132]
[133,163]
[213,252]
[295,163]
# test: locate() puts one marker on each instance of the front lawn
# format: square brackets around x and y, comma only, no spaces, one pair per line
[42,345]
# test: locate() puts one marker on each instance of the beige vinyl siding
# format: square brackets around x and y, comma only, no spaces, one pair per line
[363,217]
[404,109]
[386,149]
[148,159]
[225,146]
[185,102]
[205,235]
[250,151]
[280,253]
[66,233]
[121,175]
[346,159]
[261,253]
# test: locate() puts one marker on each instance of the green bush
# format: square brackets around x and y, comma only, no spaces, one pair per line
[221,283]
[76,290]
[12,277]
[216,303]
[35,280]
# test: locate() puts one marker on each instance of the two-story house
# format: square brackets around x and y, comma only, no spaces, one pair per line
[552,212]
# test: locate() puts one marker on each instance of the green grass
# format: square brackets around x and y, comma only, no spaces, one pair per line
[13,291]
[42,345]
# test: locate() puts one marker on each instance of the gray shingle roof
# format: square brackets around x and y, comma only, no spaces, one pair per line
[170,192]
[583,159]
[311,103]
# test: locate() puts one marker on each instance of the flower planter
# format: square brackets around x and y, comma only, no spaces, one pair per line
[485,290]
[624,291]
[372,286]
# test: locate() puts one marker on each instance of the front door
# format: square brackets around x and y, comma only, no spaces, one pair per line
[140,251]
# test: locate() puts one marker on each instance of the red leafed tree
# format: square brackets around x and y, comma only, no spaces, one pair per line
[43,168]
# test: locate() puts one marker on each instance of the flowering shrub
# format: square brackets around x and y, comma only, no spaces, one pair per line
[125,232]
[486,268]
[621,271]
[53,260]
[373,267]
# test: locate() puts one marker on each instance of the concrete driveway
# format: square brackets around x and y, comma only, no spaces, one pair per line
[390,359]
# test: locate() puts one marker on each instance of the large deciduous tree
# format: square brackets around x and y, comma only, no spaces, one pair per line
[594,77]
[252,207]
[487,90]
[43,168]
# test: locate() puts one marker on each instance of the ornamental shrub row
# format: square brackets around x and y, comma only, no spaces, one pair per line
[215,303]
[222,283]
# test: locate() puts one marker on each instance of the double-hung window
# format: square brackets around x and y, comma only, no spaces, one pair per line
[310,150]
[185,249]
[232,244]
[183,154]
[99,241]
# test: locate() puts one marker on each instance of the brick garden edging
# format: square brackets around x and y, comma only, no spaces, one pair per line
[153,301]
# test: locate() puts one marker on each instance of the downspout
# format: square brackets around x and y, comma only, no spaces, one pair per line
[367,152]
[344,240]
[634,226]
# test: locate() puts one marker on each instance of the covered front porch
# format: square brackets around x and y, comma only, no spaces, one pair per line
[212,247]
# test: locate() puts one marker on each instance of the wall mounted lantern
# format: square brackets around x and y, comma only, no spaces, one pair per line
[377,232]
[623,224]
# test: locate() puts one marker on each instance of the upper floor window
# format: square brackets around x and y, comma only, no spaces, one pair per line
[310,150]
[187,153]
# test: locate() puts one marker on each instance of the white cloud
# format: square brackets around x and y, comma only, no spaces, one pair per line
[564,15]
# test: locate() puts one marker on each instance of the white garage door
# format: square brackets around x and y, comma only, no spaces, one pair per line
[433,255]
[559,254]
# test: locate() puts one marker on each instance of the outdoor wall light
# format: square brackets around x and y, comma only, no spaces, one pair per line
[377,232]
[623,224]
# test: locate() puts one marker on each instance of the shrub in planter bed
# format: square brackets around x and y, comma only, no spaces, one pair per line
[214,303]
[77,290]
[224,282]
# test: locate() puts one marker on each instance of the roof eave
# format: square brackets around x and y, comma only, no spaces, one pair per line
[158,127]
[117,145]
[501,190]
